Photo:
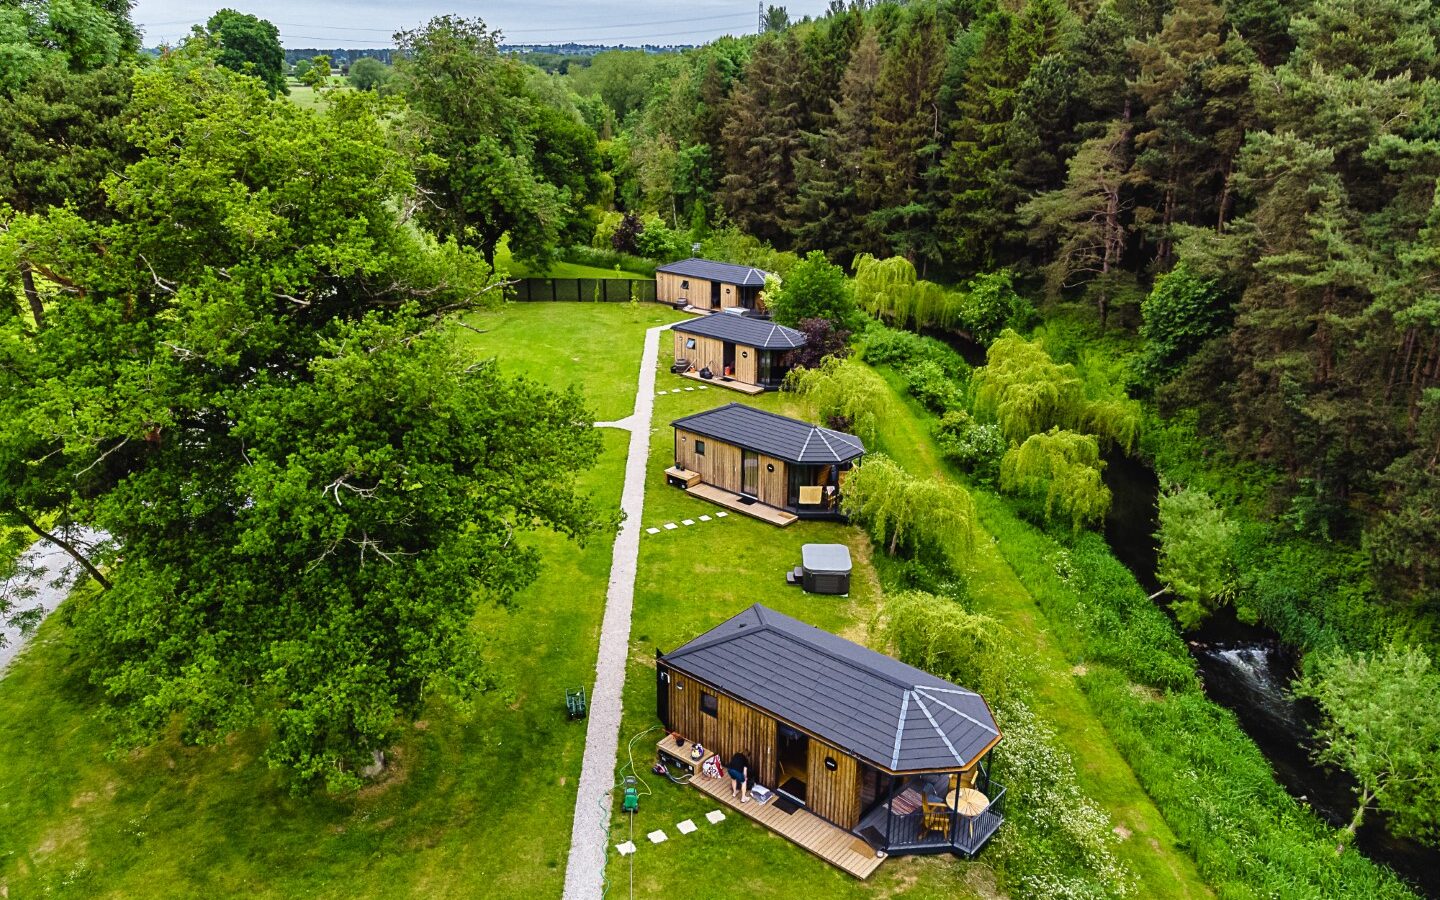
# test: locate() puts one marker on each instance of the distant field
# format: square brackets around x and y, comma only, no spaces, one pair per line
[306,97]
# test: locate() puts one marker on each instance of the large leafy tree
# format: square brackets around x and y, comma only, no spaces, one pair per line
[1197,554]
[248,380]
[815,289]
[250,44]
[471,117]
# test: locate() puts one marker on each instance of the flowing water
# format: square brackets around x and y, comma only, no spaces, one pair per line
[1245,668]
[1248,670]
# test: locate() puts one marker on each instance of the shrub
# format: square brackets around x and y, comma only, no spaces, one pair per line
[822,340]
[975,447]
[815,288]
[991,305]
[626,238]
[605,229]
[897,348]
[659,241]
[927,382]
[608,259]
[1182,312]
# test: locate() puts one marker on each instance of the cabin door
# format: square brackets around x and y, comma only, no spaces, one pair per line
[750,473]
[794,759]
[714,295]
[727,359]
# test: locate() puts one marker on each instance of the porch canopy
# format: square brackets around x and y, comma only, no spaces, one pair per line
[893,716]
[751,332]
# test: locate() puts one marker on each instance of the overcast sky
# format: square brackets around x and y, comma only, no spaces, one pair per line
[369,23]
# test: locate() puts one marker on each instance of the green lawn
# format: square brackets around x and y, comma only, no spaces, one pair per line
[479,802]
[594,345]
[478,797]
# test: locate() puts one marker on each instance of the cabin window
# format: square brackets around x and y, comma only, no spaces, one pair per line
[699,448]
[689,343]
[685,284]
[709,705]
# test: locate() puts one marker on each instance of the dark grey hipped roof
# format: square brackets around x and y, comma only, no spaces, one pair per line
[745,330]
[867,704]
[729,273]
[774,435]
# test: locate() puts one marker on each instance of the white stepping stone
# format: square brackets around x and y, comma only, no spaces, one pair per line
[686,826]
[721,515]
[705,518]
[689,389]
[704,388]
[687,521]
[671,526]
[652,531]
[715,816]
[657,837]
[626,848]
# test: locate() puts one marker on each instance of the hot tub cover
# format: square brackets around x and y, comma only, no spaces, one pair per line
[825,559]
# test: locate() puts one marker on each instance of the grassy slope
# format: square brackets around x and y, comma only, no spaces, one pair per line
[480,797]
[558,269]
[1048,676]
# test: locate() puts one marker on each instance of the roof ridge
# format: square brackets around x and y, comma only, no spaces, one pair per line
[900,729]
[938,730]
[820,431]
[963,715]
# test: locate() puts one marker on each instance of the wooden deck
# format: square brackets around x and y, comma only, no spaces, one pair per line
[835,845]
[734,502]
[732,384]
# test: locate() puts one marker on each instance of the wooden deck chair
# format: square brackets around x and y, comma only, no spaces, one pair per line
[936,815]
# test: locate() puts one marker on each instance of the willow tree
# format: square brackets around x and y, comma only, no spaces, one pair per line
[847,395]
[901,511]
[1024,390]
[1063,467]
[882,285]
[939,635]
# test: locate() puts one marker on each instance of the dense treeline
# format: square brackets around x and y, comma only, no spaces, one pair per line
[1275,161]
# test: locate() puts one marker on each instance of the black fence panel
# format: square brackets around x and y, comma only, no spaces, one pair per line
[583,290]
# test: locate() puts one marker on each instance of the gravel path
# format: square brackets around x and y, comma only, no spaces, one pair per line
[46,574]
[584,874]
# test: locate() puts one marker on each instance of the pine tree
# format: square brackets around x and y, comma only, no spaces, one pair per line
[1086,219]
[761,140]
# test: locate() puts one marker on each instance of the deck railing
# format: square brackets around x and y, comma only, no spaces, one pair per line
[900,833]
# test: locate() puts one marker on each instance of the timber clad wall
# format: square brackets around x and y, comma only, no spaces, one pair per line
[696,293]
[745,362]
[711,352]
[720,466]
[736,728]
[708,351]
[831,795]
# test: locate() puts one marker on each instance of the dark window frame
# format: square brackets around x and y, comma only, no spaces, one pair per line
[699,447]
[714,705]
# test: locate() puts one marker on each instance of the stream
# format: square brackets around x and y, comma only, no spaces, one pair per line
[1248,670]
[1245,668]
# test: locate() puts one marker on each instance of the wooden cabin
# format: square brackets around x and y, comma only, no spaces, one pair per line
[893,755]
[736,350]
[763,464]
[704,284]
